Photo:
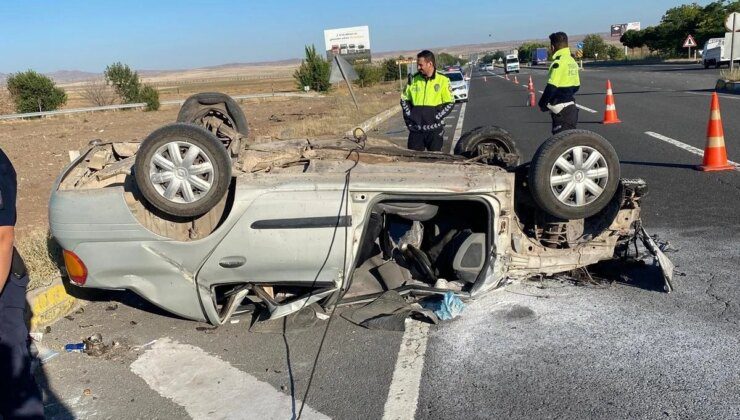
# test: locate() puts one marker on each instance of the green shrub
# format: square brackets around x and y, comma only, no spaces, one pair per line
[150,96]
[390,68]
[313,72]
[124,80]
[34,92]
[368,75]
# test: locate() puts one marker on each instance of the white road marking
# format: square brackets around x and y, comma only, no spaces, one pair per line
[586,109]
[210,388]
[403,394]
[709,94]
[458,128]
[684,146]
[579,106]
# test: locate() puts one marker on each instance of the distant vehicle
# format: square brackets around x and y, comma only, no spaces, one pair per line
[458,84]
[488,66]
[539,56]
[715,54]
[511,64]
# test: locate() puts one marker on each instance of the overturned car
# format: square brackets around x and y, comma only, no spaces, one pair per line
[204,224]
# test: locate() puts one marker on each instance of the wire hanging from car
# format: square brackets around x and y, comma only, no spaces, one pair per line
[344,201]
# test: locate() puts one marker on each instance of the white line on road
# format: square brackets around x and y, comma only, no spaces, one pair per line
[458,128]
[579,106]
[709,94]
[684,146]
[403,394]
[210,388]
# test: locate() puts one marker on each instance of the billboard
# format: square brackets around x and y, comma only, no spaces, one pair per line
[353,44]
[618,29]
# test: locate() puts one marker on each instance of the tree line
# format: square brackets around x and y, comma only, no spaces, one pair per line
[666,38]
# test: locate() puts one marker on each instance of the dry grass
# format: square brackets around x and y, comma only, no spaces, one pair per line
[731,75]
[341,114]
[42,256]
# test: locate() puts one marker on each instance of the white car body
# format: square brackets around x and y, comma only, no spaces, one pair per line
[458,85]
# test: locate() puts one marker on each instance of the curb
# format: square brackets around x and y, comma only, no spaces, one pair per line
[49,304]
[373,122]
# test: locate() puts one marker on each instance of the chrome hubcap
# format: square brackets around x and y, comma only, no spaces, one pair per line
[181,172]
[579,176]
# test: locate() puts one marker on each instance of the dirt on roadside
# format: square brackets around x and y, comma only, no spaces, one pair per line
[40,148]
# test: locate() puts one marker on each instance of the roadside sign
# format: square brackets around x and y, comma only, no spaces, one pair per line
[732,23]
[690,42]
[579,45]
[579,53]
[405,61]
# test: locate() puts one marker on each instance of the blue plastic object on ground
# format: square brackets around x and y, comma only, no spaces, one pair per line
[447,307]
[75,348]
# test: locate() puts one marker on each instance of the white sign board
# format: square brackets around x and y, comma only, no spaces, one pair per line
[690,42]
[733,19]
[632,26]
[343,41]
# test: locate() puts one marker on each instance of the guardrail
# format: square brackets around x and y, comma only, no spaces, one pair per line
[143,105]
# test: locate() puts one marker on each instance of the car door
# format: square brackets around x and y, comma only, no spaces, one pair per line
[284,237]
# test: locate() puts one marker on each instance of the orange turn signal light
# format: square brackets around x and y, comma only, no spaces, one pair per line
[75,268]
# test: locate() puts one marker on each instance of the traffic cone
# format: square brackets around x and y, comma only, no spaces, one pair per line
[530,88]
[484,79]
[715,154]
[507,76]
[610,115]
[515,80]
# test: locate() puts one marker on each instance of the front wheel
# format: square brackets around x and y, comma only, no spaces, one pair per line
[574,174]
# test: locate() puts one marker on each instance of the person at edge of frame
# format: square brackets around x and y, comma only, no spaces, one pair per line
[20,397]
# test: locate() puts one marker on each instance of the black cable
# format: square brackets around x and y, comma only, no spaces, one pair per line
[345,199]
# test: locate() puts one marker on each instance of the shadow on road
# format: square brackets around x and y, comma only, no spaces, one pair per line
[659,164]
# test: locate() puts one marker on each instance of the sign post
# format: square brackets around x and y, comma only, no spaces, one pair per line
[688,43]
[733,19]
[579,52]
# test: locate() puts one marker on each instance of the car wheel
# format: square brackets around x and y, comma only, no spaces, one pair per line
[493,144]
[217,113]
[574,174]
[182,170]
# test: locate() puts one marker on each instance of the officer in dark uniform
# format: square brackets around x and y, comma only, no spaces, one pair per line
[562,84]
[426,102]
[19,395]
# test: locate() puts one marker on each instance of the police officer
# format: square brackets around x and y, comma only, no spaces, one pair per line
[562,84]
[426,101]
[19,395]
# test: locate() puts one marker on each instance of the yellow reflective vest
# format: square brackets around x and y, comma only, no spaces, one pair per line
[426,102]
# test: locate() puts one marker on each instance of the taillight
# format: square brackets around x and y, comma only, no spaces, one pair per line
[75,268]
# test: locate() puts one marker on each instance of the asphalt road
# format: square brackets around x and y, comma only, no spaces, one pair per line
[534,350]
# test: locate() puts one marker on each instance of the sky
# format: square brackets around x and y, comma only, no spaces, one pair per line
[51,35]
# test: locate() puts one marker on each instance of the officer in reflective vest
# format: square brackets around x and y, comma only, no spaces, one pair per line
[19,395]
[562,84]
[426,102]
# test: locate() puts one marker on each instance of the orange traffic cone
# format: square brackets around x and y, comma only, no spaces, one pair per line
[515,80]
[610,115]
[715,154]
[530,88]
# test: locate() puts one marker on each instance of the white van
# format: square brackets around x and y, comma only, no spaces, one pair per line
[511,64]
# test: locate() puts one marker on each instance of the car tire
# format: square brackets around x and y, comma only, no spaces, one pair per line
[591,183]
[203,176]
[201,105]
[472,144]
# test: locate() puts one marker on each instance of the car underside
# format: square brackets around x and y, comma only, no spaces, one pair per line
[329,221]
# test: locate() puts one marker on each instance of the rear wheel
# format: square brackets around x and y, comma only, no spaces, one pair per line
[219,114]
[182,170]
[493,145]
[574,174]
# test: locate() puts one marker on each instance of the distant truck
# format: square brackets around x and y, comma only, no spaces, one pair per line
[511,64]
[716,52]
[539,56]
